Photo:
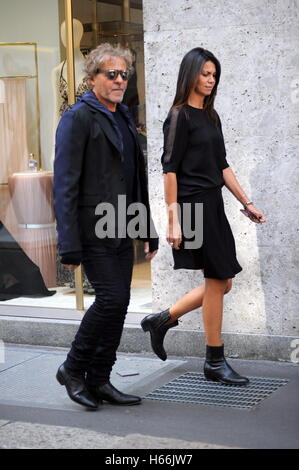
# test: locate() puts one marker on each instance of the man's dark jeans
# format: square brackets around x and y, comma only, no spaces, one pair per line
[109,270]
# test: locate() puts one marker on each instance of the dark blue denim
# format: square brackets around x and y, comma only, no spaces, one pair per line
[109,270]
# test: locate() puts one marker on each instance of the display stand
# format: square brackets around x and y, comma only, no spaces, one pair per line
[32,200]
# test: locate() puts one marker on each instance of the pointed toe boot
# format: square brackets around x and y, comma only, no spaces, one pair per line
[155,324]
[109,393]
[217,369]
[76,388]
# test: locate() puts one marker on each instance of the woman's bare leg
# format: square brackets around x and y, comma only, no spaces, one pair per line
[187,303]
[216,367]
[191,301]
[212,308]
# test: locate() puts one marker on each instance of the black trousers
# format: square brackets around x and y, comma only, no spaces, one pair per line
[109,270]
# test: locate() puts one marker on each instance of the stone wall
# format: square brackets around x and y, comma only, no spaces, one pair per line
[257,43]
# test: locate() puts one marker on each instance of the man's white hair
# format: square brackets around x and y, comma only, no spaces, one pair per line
[104,52]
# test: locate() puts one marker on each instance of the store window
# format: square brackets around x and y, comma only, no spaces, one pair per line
[33,96]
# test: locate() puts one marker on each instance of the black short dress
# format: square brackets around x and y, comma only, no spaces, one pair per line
[194,149]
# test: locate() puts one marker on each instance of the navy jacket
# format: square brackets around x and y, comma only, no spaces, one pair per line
[88,169]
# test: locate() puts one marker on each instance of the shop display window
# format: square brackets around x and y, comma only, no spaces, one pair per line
[33,95]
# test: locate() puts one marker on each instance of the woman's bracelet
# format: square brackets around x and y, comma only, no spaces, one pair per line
[247,203]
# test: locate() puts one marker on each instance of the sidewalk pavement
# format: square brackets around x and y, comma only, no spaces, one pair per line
[36,413]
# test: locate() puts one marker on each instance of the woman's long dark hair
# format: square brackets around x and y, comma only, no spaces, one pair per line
[190,68]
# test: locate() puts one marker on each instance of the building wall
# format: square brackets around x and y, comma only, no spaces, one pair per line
[256,42]
[34,21]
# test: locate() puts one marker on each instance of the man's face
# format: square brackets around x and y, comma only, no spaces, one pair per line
[110,92]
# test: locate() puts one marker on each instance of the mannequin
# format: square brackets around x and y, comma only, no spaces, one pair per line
[59,74]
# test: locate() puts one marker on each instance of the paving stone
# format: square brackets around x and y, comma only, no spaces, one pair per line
[28,378]
[21,435]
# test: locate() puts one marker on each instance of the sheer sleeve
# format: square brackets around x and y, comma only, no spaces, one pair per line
[175,131]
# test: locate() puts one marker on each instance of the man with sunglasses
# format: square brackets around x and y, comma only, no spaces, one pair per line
[98,159]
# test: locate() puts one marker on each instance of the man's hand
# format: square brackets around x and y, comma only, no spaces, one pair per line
[149,255]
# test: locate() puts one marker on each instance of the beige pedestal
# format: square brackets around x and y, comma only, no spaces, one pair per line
[32,200]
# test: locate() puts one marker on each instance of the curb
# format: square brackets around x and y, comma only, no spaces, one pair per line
[178,342]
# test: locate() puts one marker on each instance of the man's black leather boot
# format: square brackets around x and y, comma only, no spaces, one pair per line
[109,393]
[76,388]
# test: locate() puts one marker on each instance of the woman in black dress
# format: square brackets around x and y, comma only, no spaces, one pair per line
[195,169]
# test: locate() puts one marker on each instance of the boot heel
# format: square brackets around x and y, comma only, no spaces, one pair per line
[60,378]
[144,326]
[210,378]
[217,369]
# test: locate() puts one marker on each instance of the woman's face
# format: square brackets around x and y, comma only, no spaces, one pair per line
[206,79]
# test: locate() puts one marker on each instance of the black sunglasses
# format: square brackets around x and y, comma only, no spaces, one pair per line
[113,74]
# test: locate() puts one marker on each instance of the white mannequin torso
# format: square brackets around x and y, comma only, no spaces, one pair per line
[59,76]
[59,84]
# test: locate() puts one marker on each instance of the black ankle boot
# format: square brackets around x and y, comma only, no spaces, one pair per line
[155,324]
[217,369]
[76,388]
[109,393]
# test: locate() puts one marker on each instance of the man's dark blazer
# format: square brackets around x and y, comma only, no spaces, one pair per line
[88,169]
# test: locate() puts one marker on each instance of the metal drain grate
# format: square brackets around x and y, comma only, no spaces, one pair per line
[194,388]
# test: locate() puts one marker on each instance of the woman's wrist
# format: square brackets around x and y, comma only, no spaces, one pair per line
[244,200]
[173,221]
[172,211]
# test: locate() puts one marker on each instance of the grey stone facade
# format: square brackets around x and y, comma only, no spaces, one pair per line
[257,44]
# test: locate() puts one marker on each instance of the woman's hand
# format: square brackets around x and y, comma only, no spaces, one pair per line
[174,234]
[254,214]
[233,185]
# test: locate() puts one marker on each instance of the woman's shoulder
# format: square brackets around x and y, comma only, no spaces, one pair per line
[176,111]
[217,115]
